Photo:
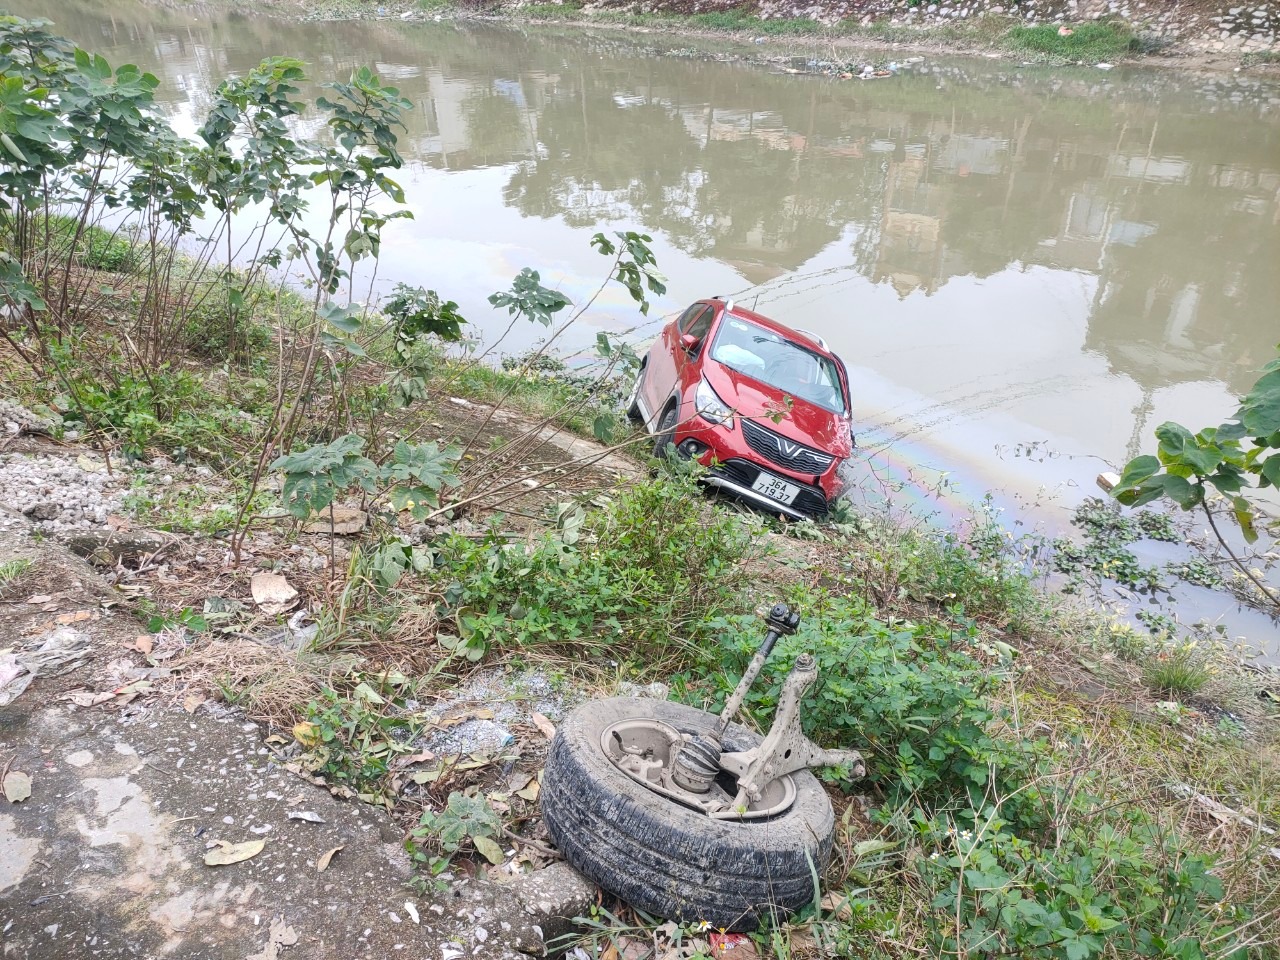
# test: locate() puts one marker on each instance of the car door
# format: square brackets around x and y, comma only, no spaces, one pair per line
[666,360]
[688,361]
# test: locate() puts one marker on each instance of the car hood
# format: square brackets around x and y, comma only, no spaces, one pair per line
[805,422]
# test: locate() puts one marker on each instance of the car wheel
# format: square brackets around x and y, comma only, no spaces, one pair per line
[666,431]
[668,859]
[632,403]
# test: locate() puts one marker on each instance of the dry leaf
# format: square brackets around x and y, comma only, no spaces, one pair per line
[85,698]
[279,935]
[837,904]
[529,792]
[144,643]
[119,524]
[543,724]
[227,853]
[38,599]
[346,520]
[485,714]
[17,787]
[307,734]
[323,863]
[610,953]
[78,617]
[733,944]
[192,703]
[399,763]
[412,911]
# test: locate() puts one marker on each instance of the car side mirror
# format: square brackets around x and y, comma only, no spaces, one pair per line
[689,343]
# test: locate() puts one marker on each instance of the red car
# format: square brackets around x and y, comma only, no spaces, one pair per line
[764,406]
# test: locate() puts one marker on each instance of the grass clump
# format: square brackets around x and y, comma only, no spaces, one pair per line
[11,570]
[1089,42]
[1178,670]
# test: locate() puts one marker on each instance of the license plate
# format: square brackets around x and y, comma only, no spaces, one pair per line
[775,488]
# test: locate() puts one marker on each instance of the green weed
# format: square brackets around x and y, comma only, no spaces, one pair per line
[641,578]
[11,570]
[352,738]
[97,247]
[1179,670]
[466,822]
[913,693]
[166,410]
[1089,42]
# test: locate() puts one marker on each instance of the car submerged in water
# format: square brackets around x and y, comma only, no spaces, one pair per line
[764,407]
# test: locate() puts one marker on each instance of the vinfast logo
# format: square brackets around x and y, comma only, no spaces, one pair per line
[787,448]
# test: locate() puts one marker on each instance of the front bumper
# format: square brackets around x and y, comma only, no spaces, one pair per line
[736,476]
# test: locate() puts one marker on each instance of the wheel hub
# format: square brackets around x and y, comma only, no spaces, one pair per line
[646,750]
[697,771]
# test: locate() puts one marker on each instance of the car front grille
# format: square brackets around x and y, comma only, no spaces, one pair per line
[810,500]
[776,448]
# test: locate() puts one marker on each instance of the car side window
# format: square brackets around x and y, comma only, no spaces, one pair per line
[687,318]
[701,324]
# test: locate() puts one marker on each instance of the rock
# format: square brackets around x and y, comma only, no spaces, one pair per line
[346,521]
[43,511]
[651,691]
[106,548]
[553,896]
[272,593]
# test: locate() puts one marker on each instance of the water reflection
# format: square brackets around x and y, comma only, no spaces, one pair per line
[1004,254]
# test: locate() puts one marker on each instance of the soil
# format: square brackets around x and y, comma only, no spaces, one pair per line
[130,792]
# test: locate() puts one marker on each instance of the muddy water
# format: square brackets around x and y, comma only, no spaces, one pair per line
[1026,269]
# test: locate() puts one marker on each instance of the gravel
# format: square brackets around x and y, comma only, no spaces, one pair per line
[60,493]
[18,419]
[512,699]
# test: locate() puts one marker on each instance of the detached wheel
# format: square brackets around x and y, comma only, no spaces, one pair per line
[669,859]
[666,432]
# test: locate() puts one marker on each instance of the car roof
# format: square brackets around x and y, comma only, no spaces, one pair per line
[810,340]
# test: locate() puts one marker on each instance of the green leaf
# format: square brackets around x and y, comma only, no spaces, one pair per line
[1137,470]
[1173,439]
[1181,491]
[1242,510]
[1271,471]
[1260,410]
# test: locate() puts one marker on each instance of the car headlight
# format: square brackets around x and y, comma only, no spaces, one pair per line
[711,407]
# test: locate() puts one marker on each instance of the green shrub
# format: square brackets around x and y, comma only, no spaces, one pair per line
[1109,887]
[910,694]
[643,577]
[221,325]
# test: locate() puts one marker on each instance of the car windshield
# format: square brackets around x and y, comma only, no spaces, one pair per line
[770,358]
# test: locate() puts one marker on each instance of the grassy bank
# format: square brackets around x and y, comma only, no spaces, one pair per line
[1092,42]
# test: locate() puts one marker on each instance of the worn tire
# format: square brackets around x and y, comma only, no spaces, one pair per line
[667,859]
[666,434]
[632,403]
